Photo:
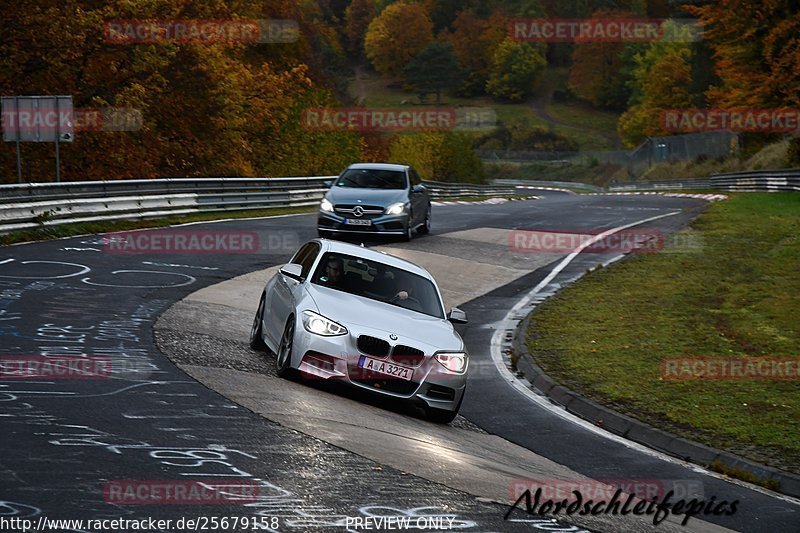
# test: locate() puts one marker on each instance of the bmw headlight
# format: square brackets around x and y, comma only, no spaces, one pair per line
[453,361]
[396,209]
[319,325]
[325,205]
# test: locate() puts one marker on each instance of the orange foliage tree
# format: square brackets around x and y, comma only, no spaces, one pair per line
[208,108]
[358,15]
[595,71]
[475,41]
[756,44]
[396,36]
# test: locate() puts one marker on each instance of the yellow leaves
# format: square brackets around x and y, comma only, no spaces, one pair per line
[396,36]
[207,108]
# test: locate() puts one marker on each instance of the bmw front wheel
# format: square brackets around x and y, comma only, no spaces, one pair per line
[283,359]
[256,332]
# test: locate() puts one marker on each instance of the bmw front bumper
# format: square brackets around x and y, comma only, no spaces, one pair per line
[337,358]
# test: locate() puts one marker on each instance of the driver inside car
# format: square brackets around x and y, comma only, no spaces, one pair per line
[334,274]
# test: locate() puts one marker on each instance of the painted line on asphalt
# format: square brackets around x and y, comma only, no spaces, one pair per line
[510,324]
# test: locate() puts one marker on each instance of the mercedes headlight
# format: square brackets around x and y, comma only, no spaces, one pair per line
[396,209]
[325,205]
[319,325]
[453,361]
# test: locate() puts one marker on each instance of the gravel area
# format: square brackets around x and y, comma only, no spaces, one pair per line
[213,352]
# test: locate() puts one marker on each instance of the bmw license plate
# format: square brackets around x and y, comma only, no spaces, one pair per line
[357,222]
[384,367]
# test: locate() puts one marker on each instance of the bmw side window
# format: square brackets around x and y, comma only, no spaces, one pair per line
[301,253]
[414,177]
[308,261]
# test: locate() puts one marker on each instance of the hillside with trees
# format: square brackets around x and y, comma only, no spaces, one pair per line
[235,108]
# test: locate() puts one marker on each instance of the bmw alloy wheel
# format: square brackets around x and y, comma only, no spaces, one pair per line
[283,360]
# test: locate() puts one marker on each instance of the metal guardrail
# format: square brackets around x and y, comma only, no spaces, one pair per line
[746,181]
[760,180]
[30,205]
[442,190]
[664,185]
[544,183]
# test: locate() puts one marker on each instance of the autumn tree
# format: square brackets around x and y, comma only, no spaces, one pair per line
[444,12]
[435,69]
[396,36]
[209,108]
[474,41]
[439,156]
[515,68]
[755,45]
[662,80]
[526,8]
[596,66]
[358,15]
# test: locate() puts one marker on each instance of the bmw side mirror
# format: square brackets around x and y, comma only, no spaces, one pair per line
[457,316]
[418,188]
[292,270]
[327,184]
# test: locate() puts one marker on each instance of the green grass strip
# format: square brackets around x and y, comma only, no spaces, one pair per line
[729,286]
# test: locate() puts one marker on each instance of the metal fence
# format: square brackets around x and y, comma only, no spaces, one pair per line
[654,150]
[689,147]
[617,157]
[31,205]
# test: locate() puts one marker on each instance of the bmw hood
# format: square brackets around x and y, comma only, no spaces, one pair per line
[350,310]
[382,197]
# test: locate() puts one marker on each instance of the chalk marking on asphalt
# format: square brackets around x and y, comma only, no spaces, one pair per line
[510,324]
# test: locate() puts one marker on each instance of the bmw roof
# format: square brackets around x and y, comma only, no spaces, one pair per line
[372,255]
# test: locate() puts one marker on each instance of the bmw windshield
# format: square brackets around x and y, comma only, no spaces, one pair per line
[378,281]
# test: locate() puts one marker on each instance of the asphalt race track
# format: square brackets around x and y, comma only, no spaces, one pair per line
[186,399]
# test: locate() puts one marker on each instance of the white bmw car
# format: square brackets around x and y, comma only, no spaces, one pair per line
[368,319]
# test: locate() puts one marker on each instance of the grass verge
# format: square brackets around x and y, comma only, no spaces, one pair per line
[734,293]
